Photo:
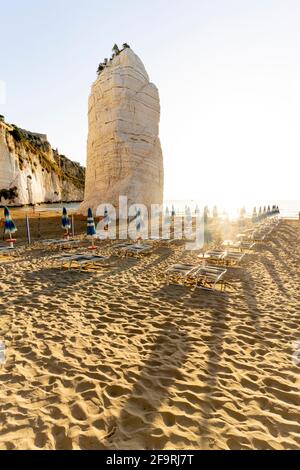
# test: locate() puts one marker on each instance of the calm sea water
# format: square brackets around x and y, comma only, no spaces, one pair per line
[288,209]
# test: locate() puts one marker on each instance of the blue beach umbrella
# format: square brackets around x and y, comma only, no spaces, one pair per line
[90,229]
[106,219]
[188,218]
[139,223]
[9,226]
[65,221]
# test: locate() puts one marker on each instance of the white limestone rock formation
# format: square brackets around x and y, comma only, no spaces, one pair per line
[124,156]
[31,172]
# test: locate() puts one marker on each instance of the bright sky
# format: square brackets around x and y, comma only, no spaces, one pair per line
[228,73]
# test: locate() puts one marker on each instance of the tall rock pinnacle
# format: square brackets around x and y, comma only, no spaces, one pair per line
[124,156]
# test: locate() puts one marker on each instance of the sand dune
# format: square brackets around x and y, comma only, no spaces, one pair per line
[115,358]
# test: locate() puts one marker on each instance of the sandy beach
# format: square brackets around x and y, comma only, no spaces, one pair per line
[114,358]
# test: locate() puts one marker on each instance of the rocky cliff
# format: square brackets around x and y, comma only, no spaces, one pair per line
[31,172]
[124,155]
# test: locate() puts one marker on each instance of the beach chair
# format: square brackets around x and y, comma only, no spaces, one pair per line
[88,260]
[136,250]
[233,258]
[244,245]
[204,277]
[162,240]
[258,237]
[80,260]
[240,246]
[223,258]
[208,277]
[179,272]
[52,244]
[119,246]
[64,258]
[214,256]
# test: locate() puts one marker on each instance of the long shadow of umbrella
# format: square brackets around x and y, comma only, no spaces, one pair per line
[167,353]
[275,252]
[271,269]
[216,305]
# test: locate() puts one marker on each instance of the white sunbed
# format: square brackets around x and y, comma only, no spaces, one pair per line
[223,258]
[163,240]
[83,261]
[119,246]
[204,277]
[137,249]
[239,245]
[56,242]
[80,260]
[232,258]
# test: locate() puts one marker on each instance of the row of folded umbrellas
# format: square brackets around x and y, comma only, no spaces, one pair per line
[10,227]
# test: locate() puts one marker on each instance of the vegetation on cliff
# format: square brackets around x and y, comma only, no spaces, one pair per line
[116,51]
[32,151]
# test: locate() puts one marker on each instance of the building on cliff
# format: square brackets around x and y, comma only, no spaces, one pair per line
[124,156]
[31,172]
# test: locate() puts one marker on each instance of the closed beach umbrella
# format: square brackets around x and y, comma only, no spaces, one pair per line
[65,221]
[259,214]
[90,229]
[139,223]
[215,212]
[197,210]
[173,213]
[188,221]
[9,226]
[167,216]
[188,214]
[205,214]
[106,219]
[254,215]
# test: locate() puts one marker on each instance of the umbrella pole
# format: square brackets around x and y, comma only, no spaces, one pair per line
[11,243]
[73,228]
[28,230]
